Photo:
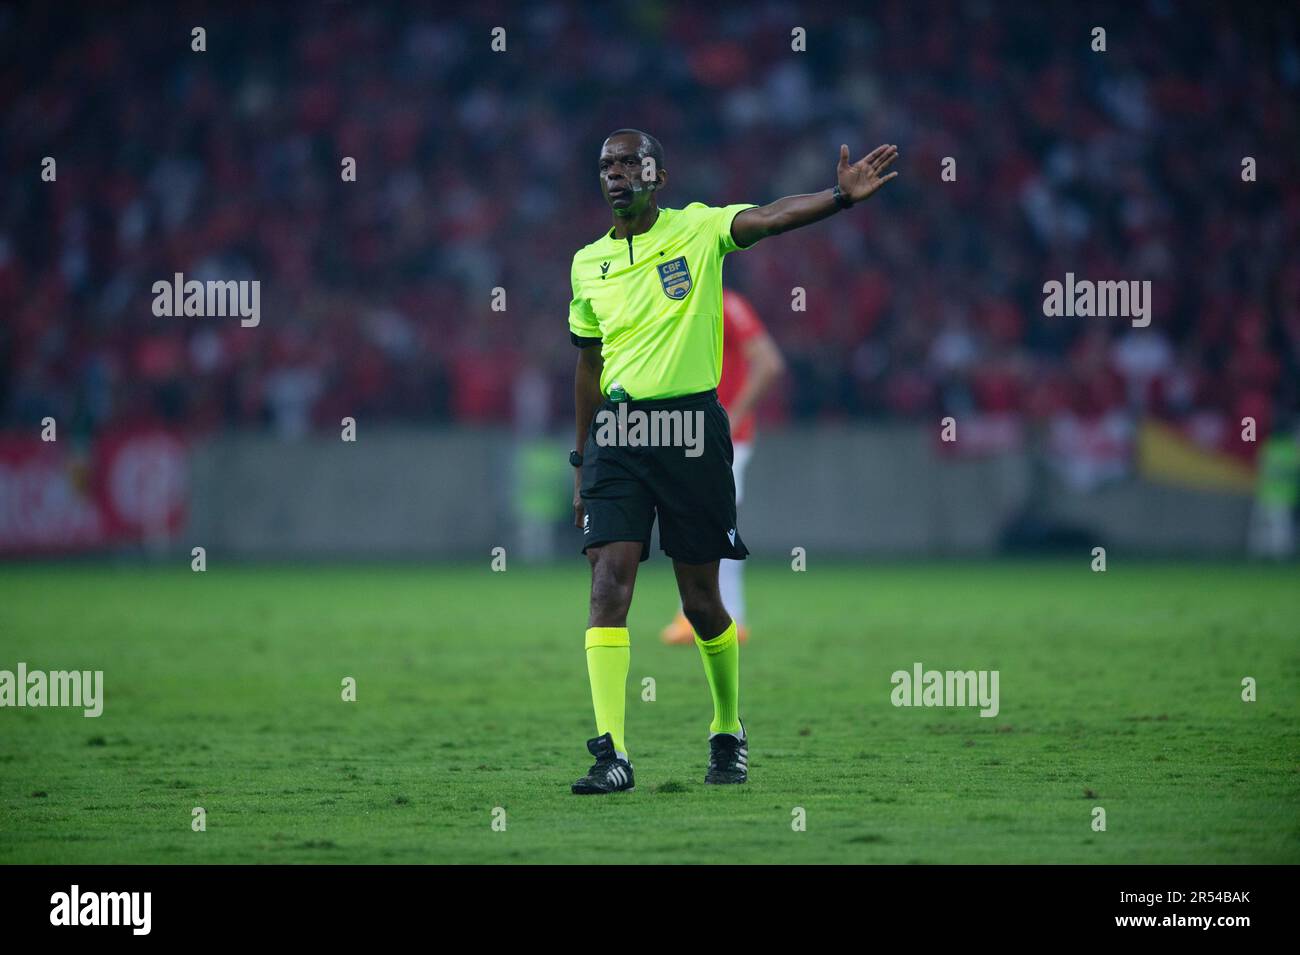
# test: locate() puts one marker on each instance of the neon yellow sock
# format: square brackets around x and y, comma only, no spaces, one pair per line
[609,654]
[721,657]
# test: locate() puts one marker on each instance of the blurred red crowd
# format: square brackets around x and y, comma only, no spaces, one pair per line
[475,170]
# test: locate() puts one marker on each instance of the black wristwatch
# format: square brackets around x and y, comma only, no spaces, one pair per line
[840,198]
[575,459]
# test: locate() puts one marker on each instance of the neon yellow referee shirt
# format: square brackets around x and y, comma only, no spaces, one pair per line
[654,301]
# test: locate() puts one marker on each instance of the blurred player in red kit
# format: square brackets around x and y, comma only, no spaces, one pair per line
[751,364]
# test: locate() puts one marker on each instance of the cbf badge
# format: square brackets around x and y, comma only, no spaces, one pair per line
[675,278]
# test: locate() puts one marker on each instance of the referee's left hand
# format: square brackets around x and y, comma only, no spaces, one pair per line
[578,509]
[860,179]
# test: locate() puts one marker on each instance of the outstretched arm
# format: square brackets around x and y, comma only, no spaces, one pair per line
[857,181]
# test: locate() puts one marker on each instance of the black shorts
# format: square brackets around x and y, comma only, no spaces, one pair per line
[679,471]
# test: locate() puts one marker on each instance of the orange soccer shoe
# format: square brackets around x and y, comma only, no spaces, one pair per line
[680,632]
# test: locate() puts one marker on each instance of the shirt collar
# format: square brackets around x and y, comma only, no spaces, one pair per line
[648,232]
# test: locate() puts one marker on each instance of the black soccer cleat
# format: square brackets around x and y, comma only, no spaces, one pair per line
[609,775]
[728,758]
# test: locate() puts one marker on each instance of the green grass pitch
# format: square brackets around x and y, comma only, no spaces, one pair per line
[223,690]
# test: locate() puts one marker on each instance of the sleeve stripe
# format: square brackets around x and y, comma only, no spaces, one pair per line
[583,342]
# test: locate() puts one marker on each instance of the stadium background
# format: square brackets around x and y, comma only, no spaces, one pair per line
[475,170]
[1124,691]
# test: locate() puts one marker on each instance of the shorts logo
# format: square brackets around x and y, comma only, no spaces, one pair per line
[675,278]
[731,536]
[586,523]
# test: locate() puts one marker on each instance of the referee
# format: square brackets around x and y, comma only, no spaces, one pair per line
[646,317]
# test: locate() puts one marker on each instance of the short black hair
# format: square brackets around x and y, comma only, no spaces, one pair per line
[650,146]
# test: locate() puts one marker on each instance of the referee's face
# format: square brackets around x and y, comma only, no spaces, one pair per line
[620,176]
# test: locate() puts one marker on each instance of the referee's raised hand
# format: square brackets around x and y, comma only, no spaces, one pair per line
[860,179]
